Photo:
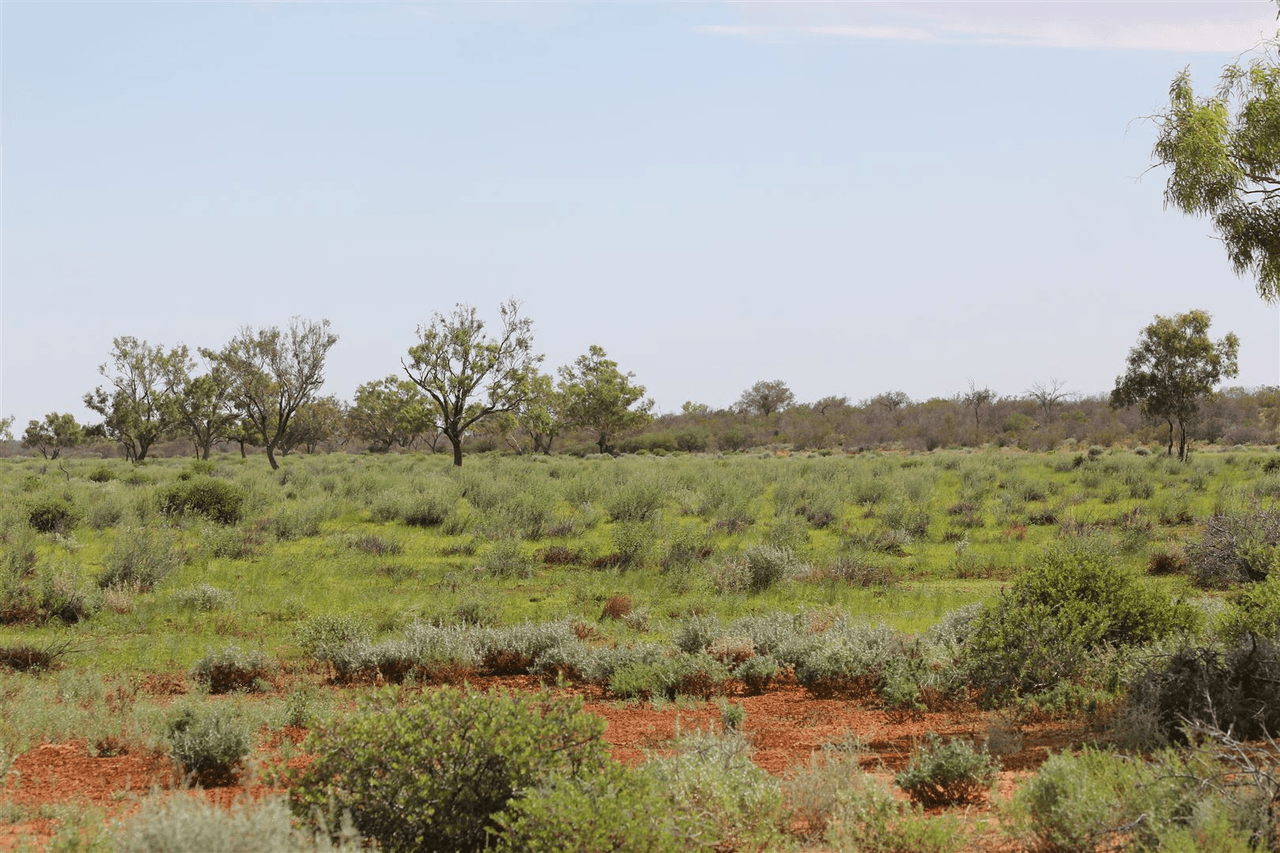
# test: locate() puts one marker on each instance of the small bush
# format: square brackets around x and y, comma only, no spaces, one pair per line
[191,824]
[616,607]
[506,560]
[25,657]
[231,670]
[209,744]
[943,774]
[217,500]
[769,564]
[52,515]
[757,673]
[1238,690]
[378,546]
[1236,548]
[141,559]
[101,474]
[203,597]
[431,774]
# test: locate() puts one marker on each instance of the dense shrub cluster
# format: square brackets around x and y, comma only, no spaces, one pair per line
[430,772]
[1236,548]
[215,499]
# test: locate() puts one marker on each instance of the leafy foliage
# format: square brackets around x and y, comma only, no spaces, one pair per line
[209,743]
[431,773]
[217,500]
[947,773]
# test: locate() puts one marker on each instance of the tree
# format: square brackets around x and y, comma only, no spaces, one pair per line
[975,398]
[272,373]
[469,375]
[205,410]
[390,412]
[1224,156]
[890,401]
[543,414]
[56,433]
[766,397]
[318,420]
[1049,394]
[142,405]
[6,428]
[599,398]
[1172,368]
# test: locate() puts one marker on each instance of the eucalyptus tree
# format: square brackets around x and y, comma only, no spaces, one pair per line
[205,408]
[1173,367]
[56,433]
[600,398]
[471,376]
[141,404]
[272,373]
[391,412]
[1223,152]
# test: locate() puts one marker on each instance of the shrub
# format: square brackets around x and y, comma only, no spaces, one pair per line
[815,790]
[1236,548]
[1237,690]
[209,744]
[847,660]
[141,559]
[192,824]
[712,779]
[218,500]
[506,560]
[1075,601]
[431,772]
[322,634]
[618,809]
[768,564]
[52,515]
[101,474]
[232,670]
[515,649]
[670,676]
[869,819]
[24,657]
[943,774]
[757,673]
[203,597]
[1255,610]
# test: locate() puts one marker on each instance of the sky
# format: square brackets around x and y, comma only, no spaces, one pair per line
[851,197]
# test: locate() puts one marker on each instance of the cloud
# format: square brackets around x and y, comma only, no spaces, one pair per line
[1222,26]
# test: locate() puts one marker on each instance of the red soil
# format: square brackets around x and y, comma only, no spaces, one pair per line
[785,726]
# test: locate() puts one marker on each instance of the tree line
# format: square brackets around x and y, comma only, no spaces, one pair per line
[460,385]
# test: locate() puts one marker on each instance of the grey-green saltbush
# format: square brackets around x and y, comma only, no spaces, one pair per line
[231,670]
[139,559]
[179,823]
[209,743]
[947,773]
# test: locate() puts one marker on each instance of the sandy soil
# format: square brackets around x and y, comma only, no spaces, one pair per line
[785,725]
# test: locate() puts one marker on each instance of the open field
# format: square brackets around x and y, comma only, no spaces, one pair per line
[826,596]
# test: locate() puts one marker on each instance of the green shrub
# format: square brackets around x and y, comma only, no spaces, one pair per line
[767,565]
[505,559]
[943,774]
[217,500]
[620,809]
[712,780]
[231,670]
[203,597]
[208,743]
[52,592]
[323,633]
[1256,610]
[101,474]
[52,515]
[139,559]
[1059,612]
[668,677]
[815,790]
[848,660]
[756,673]
[867,818]
[430,772]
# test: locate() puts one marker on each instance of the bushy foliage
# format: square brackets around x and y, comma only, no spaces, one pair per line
[1236,548]
[430,772]
[208,743]
[50,592]
[217,500]
[848,660]
[1236,690]
[669,676]
[943,774]
[140,559]
[231,670]
[767,565]
[1255,610]
[505,559]
[52,515]
[1074,601]
[712,780]
[192,824]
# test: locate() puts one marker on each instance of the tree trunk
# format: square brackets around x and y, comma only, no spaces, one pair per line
[1182,442]
[1170,451]
[271,457]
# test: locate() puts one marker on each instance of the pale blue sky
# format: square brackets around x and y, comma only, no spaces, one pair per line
[850,197]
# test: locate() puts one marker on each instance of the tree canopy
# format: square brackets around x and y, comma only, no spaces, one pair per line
[766,397]
[1172,368]
[1223,151]
[143,403]
[599,398]
[469,375]
[272,373]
